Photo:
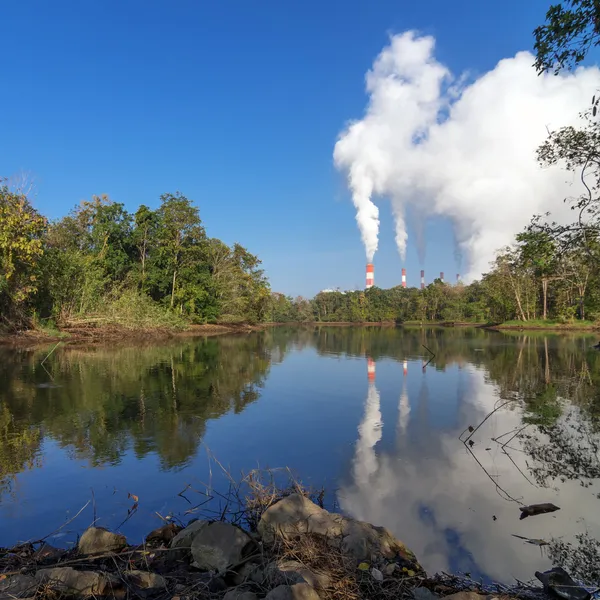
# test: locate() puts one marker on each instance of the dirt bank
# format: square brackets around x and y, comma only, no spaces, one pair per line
[112,333]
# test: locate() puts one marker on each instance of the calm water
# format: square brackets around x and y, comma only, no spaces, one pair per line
[139,420]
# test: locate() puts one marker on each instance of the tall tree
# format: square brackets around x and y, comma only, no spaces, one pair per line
[21,246]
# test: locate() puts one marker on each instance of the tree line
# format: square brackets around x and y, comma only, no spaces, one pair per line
[103,263]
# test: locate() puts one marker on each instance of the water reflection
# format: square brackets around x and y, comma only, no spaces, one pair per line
[133,419]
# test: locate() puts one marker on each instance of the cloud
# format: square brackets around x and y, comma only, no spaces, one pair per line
[458,149]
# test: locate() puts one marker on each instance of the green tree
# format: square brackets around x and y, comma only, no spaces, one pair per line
[571,30]
[21,245]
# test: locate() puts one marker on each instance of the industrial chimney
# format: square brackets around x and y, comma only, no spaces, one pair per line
[370,276]
[458,278]
[422,279]
[405,367]
[442,276]
[371,370]
[403,278]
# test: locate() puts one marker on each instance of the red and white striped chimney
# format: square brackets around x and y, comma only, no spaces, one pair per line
[370,276]
[403,278]
[442,276]
[371,370]
[405,368]
[422,279]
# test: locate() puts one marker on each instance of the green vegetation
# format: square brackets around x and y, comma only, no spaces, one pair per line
[102,265]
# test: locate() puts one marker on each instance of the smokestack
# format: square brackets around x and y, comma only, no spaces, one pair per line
[442,276]
[405,368]
[403,278]
[422,279]
[371,370]
[370,276]
[457,277]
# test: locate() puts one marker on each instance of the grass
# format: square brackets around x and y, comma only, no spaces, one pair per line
[550,323]
[132,310]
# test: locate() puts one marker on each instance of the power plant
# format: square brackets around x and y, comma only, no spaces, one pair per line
[370,277]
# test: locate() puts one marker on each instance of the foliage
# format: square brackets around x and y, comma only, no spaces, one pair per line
[21,246]
[571,30]
[101,264]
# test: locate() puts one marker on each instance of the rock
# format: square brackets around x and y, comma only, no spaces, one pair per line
[18,586]
[249,571]
[299,591]
[97,540]
[146,580]
[164,534]
[238,594]
[218,545]
[216,585]
[296,514]
[359,540]
[423,593]
[82,583]
[290,572]
[389,569]
[464,596]
[182,542]
[46,551]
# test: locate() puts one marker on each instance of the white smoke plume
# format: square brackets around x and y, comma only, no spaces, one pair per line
[465,151]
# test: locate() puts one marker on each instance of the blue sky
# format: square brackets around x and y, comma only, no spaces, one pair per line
[236,104]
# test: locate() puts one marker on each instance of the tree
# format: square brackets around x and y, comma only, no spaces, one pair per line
[570,32]
[21,245]
[181,237]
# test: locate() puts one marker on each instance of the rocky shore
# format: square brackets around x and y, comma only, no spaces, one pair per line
[296,551]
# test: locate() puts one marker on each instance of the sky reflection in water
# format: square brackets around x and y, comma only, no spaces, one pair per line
[139,420]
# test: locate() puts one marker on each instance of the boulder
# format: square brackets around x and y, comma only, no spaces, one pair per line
[289,572]
[164,534]
[146,580]
[249,571]
[79,583]
[182,542]
[359,540]
[218,545]
[298,591]
[46,551]
[18,586]
[422,593]
[97,540]
[296,514]
[466,595]
[238,594]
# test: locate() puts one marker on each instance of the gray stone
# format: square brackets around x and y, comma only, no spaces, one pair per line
[249,571]
[18,586]
[97,540]
[182,542]
[290,572]
[80,583]
[240,594]
[218,546]
[422,593]
[298,591]
[389,569]
[359,540]
[146,580]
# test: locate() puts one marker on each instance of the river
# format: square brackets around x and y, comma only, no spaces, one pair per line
[354,409]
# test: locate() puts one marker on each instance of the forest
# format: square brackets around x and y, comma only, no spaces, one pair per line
[101,264]
[158,268]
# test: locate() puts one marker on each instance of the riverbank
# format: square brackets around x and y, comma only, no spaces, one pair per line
[277,545]
[99,334]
